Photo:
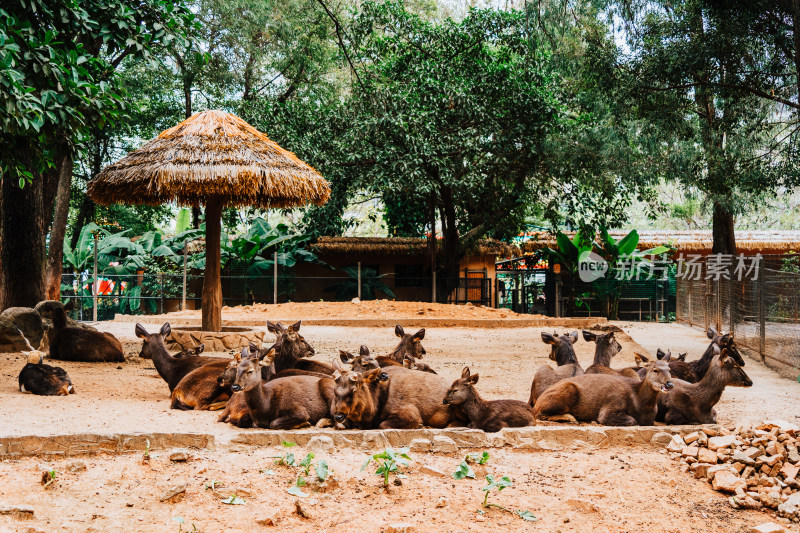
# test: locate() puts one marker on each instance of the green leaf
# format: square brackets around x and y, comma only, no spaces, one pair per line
[463,471]
[526,515]
[294,490]
[322,470]
[628,243]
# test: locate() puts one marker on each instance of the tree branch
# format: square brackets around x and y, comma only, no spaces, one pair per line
[338,29]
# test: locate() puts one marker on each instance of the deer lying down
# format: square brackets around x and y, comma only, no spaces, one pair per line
[282,403]
[489,416]
[563,354]
[700,366]
[678,368]
[609,400]
[76,344]
[44,380]
[606,348]
[364,361]
[171,369]
[693,403]
[293,351]
[358,397]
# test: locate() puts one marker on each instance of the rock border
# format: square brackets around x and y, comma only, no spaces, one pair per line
[535,438]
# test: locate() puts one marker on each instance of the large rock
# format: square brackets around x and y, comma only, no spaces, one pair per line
[16,319]
[726,441]
[791,507]
[726,481]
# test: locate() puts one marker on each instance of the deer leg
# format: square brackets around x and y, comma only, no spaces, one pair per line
[404,418]
[216,406]
[615,418]
[324,423]
[293,420]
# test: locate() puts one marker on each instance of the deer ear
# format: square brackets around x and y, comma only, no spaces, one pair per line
[667,356]
[682,356]
[407,362]
[271,327]
[200,348]
[547,338]
[398,330]
[716,349]
[165,330]
[418,336]
[268,357]
[473,379]
[660,354]
[237,357]
[140,331]
[573,338]
[245,353]
[372,376]
[465,372]
[711,332]
[345,356]
[588,336]
[640,359]
[337,365]
[296,326]
[363,350]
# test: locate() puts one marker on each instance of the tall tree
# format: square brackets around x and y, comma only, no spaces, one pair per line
[61,59]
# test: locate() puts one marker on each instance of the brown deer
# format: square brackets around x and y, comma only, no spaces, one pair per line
[489,416]
[171,369]
[409,346]
[358,397]
[678,368]
[693,403]
[700,366]
[203,389]
[562,352]
[363,362]
[77,344]
[607,399]
[606,348]
[188,352]
[294,350]
[414,399]
[412,364]
[282,403]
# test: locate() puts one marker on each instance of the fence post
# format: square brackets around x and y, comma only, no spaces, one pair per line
[359,281]
[433,287]
[183,300]
[762,319]
[94,283]
[275,280]
[161,291]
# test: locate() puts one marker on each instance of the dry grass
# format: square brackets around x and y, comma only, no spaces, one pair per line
[402,246]
[211,154]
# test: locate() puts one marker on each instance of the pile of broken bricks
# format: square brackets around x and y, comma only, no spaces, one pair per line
[758,466]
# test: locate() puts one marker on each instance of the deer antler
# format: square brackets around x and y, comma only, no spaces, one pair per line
[30,348]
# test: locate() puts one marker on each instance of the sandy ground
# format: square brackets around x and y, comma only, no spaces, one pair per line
[366,309]
[132,397]
[607,490]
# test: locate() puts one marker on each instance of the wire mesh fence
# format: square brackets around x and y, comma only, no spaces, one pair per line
[157,293]
[761,308]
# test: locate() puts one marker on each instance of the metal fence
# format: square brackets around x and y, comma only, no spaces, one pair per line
[158,293]
[762,308]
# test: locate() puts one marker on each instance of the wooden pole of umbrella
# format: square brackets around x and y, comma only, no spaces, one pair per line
[212,282]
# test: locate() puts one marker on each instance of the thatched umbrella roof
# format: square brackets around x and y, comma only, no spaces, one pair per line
[216,159]
[402,246]
[212,153]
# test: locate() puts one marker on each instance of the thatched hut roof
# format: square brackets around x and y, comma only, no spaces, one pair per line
[211,154]
[400,246]
[691,242]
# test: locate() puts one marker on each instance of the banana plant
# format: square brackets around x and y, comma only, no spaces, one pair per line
[570,250]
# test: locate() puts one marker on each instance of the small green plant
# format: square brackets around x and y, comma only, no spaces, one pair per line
[146,454]
[480,458]
[322,470]
[388,462]
[296,488]
[48,477]
[286,459]
[287,444]
[464,471]
[504,483]
[306,463]
[180,521]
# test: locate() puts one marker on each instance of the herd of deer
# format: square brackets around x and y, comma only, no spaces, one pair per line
[279,387]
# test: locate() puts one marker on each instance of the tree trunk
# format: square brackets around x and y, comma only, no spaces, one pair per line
[85,215]
[724,238]
[22,243]
[796,29]
[55,255]
[212,284]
